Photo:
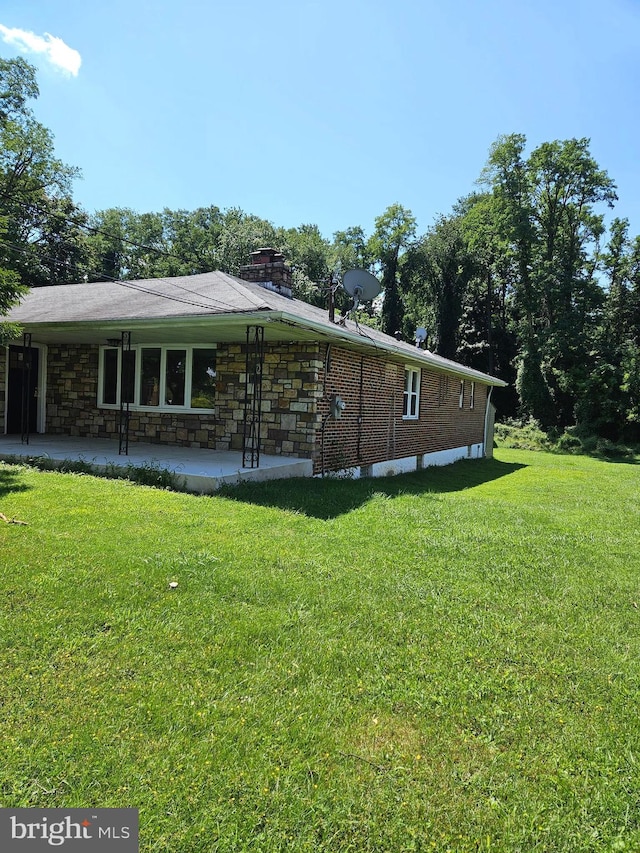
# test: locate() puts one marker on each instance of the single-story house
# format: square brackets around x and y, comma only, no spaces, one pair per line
[234,363]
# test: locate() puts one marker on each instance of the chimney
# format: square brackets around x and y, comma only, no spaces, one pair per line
[268,269]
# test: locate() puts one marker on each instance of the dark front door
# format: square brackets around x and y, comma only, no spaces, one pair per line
[22,411]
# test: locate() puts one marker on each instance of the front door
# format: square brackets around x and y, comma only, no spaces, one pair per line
[22,411]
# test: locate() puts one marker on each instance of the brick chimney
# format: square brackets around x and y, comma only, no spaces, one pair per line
[268,269]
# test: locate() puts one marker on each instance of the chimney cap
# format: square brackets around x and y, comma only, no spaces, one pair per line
[266,255]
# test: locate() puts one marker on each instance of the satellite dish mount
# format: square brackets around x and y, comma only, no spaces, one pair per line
[361,285]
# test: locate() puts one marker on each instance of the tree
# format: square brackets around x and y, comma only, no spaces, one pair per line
[350,250]
[609,404]
[546,214]
[17,85]
[308,253]
[43,240]
[444,267]
[194,237]
[394,231]
[11,290]
[241,234]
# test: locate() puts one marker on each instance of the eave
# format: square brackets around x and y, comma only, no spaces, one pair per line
[279,326]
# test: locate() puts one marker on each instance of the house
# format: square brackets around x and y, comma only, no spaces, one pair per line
[234,363]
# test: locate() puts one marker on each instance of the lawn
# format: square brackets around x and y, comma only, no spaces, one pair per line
[447,660]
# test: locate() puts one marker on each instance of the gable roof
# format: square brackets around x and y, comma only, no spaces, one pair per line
[196,308]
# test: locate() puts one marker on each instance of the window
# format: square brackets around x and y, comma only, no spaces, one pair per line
[411,393]
[443,390]
[472,396]
[129,377]
[461,401]
[203,379]
[110,376]
[174,377]
[150,358]
[158,377]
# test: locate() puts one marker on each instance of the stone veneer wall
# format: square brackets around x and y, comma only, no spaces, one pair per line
[290,396]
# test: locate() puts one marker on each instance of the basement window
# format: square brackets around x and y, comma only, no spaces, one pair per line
[159,378]
[411,393]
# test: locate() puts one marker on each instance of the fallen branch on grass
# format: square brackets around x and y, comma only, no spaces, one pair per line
[379,767]
[3,517]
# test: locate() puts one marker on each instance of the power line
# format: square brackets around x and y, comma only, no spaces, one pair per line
[170,281]
[213,303]
[116,237]
[161,252]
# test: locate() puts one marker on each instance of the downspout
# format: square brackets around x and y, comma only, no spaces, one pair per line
[324,423]
[360,411]
[486,421]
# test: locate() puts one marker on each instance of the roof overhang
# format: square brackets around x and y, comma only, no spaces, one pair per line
[279,326]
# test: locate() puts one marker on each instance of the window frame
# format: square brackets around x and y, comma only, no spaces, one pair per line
[472,396]
[461,398]
[137,350]
[409,394]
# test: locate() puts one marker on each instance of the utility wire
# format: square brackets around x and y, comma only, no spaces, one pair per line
[323,285]
[213,303]
[161,252]
[104,233]
[169,281]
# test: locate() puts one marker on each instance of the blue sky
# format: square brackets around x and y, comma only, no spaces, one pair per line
[325,112]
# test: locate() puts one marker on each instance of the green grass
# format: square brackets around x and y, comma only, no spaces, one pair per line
[448,660]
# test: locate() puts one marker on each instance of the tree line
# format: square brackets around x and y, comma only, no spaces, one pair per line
[523,279]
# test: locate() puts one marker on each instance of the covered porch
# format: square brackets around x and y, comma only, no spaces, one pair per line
[197,470]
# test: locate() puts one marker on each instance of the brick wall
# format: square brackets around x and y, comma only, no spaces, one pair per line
[372,428]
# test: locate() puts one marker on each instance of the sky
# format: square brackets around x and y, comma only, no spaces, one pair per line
[324,112]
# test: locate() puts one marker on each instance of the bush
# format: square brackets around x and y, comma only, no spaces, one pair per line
[522,435]
[610,450]
[529,435]
[569,443]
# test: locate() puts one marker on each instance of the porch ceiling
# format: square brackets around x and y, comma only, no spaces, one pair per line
[191,330]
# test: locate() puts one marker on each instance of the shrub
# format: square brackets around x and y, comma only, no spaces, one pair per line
[522,435]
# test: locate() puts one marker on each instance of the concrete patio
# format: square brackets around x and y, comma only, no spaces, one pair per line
[201,471]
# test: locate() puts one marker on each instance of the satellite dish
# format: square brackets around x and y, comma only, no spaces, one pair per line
[361,285]
[421,336]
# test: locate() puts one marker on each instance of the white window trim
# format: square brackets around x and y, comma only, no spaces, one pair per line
[461,399]
[135,405]
[472,396]
[409,371]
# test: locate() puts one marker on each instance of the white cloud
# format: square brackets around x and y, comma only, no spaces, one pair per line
[55,50]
